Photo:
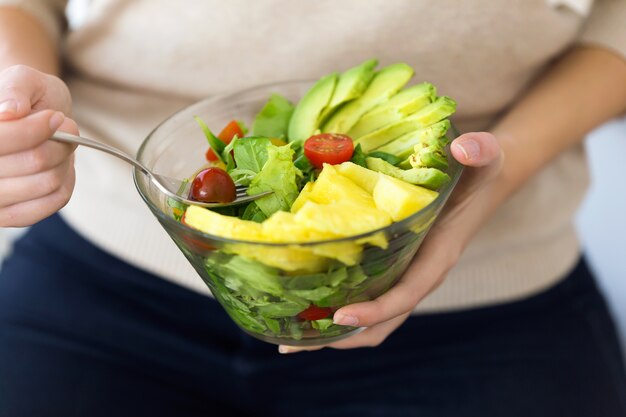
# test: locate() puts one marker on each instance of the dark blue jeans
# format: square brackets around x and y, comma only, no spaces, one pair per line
[84,334]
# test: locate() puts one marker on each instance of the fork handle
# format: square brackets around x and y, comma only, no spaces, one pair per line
[79,140]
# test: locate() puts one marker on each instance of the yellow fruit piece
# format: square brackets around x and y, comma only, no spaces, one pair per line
[303,197]
[342,219]
[377,239]
[400,199]
[282,227]
[228,227]
[363,177]
[331,187]
[292,258]
[219,164]
[348,253]
[277,142]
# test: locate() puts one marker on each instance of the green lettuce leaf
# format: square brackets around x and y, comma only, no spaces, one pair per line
[279,175]
[280,309]
[214,142]
[243,273]
[273,119]
[322,324]
[250,157]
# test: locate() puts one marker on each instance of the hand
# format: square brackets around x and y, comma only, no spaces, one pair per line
[36,175]
[467,209]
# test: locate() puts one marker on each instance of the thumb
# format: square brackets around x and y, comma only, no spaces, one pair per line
[476,149]
[482,154]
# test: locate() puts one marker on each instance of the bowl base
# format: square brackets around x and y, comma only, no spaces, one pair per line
[304,342]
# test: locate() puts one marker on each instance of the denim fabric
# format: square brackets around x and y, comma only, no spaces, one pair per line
[84,334]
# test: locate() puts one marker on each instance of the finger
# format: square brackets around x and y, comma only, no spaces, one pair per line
[403,296]
[24,90]
[42,158]
[30,212]
[20,87]
[476,149]
[296,349]
[481,152]
[370,337]
[28,132]
[46,156]
[395,302]
[32,187]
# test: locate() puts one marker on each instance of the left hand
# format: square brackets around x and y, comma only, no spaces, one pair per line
[468,208]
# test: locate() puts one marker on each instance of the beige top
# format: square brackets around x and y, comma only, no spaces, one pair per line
[133,63]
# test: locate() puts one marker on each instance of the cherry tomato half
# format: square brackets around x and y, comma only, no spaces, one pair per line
[330,148]
[213,185]
[210,155]
[227,134]
[314,312]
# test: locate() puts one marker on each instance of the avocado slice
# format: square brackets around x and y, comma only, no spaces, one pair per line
[351,84]
[387,82]
[305,117]
[434,112]
[429,157]
[431,178]
[398,107]
[273,119]
[404,146]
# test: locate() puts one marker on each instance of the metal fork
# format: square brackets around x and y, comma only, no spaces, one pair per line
[168,185]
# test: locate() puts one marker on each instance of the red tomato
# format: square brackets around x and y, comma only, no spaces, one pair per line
[210,156]
[314,312]
[330,148]
[213,185]
[227,134]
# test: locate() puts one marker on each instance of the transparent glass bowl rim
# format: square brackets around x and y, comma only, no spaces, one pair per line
[395,227]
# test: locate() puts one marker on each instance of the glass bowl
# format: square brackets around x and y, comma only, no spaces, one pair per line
[279,293]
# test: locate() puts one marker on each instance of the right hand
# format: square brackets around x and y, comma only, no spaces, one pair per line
[36,174]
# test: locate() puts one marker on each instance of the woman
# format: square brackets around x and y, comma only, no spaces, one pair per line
[497,315]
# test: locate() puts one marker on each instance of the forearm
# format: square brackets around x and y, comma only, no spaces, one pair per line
[581,91]
[23,40]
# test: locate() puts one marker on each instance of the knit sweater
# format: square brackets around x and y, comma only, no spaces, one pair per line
[133,63]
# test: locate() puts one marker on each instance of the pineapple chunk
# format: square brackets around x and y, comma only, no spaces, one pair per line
[209,222]
[330,187]
[290,258]
[348,253]
[363,177]
[343,219]
[400,199]
[282,227]
[303,197]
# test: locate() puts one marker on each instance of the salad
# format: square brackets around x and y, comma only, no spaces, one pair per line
[360,152]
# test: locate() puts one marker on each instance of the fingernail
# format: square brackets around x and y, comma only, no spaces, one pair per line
[470,148]
[56,121]
[8,106]
[286,349]
[344,320]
